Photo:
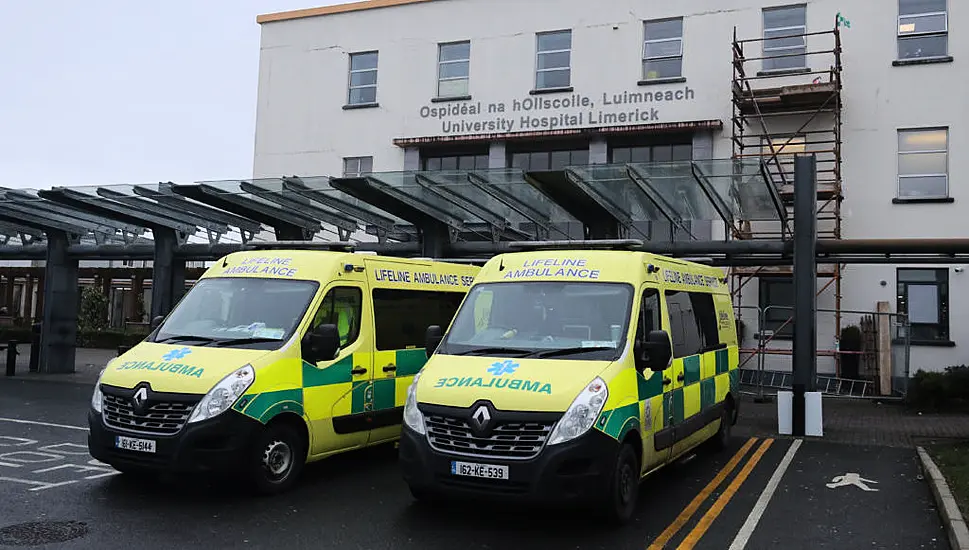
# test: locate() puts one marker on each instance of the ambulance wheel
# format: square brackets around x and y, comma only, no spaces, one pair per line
[624,488]
[279,455]
[721,440]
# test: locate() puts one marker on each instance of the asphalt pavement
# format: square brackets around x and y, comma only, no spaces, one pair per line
[759,493]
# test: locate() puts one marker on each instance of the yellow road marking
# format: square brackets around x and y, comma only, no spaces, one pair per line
[694,536]
[691,509]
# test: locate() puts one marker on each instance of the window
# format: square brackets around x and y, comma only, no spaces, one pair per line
[777,301]
[652,153]
[553,66]
[649,316]
[923,161]
[354,167]
[549,160]
[923,294]
[453,69]
[923,29]
[663,49]
[693,322]
[343,307]
[401,317]
[363,78]
[784,44]
[456,162]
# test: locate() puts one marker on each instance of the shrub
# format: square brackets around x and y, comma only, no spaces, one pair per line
[946,391]
[93,315]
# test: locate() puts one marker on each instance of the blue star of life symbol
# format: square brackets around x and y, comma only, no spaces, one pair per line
[176,354]
[503,367]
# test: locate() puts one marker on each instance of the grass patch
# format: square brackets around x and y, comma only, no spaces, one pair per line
[953,460]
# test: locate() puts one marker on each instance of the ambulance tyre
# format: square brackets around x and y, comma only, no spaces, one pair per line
[278,457]
[721,440]
[624,487]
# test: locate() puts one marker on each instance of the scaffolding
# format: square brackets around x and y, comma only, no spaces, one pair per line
[785,103]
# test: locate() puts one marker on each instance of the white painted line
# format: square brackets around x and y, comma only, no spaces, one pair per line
[747,529]
[48,424]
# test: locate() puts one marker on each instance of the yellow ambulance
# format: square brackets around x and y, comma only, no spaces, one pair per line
[274,358]
[569,375]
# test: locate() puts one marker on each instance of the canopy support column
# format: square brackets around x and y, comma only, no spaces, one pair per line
[805,287]
[163,273]
[58,338]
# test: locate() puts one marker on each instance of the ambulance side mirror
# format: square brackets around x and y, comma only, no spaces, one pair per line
[157,321]
[322,344]
[432,339]
[654,353]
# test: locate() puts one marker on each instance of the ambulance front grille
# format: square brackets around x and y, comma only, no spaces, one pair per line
[161,418]
[508,440]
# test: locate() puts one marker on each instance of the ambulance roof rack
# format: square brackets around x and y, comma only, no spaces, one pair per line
[335,246]
[600,244]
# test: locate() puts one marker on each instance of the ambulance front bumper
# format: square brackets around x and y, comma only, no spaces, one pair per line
[218,445]
[572,472]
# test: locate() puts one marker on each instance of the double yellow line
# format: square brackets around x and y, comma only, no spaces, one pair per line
[701,527]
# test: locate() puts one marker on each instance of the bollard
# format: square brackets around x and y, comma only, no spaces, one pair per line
[34,364]
[11,357]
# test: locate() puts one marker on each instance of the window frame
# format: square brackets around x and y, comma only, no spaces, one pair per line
[359,172]
[767,51]
[441,63]
[355,331]
[943,297]
[539,53]
[425,295]
[898,158]
[913,35]
[764,294]
[351,72]
[647,42]
[696,324]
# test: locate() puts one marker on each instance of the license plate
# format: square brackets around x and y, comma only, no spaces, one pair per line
[132,444]
[471,469]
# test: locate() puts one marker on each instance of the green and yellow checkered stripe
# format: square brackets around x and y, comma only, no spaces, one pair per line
[324,390]
[708,378]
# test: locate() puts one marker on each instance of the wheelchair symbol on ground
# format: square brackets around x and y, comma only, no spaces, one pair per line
[851,479]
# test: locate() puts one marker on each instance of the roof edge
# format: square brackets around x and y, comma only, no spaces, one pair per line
[331,10]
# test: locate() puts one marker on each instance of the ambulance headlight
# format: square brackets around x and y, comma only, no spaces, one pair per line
[412,415]
[224,394]
[582,413]
[97,398]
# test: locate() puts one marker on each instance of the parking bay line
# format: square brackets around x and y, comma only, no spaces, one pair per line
[691,508]
[701,528]
[743,536]
[48,424]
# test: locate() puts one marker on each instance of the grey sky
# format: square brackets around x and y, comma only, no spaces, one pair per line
[123,91]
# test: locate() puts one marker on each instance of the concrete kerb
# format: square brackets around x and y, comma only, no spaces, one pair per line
[955,524]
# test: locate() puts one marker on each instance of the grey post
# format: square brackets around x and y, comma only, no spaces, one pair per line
[59,330]
[805,284]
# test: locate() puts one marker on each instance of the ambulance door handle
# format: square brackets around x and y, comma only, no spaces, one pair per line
[680,377]
[359,370]
[667,381]
[390,368]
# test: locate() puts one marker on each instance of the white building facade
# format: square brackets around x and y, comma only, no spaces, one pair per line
[390,85]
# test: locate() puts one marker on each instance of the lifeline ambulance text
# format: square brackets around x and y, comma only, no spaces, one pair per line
[421,277]
[263,266]
[691,279]
[554,267]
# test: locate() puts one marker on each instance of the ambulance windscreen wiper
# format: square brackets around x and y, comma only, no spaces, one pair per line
[185,338]
[566,351]
[493,350]
[238,341]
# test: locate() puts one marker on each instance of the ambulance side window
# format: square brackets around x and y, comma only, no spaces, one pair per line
[342,306]
[649,319]
[401,317]
[706,315]
[684,330]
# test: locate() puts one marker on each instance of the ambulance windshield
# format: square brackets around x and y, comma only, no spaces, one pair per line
[582,321]
[238,312]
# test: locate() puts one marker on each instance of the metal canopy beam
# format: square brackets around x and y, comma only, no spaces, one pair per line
[462,194]
[44,216]
[599,222]
[510,187]
[165,196]
[380,223]
[294,202]
[288,225]
[157,209]
[109,209]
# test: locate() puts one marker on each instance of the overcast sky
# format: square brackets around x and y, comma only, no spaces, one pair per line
[129,91]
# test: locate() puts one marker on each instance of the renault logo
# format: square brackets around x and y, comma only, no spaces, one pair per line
[481,417]
[140,396]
